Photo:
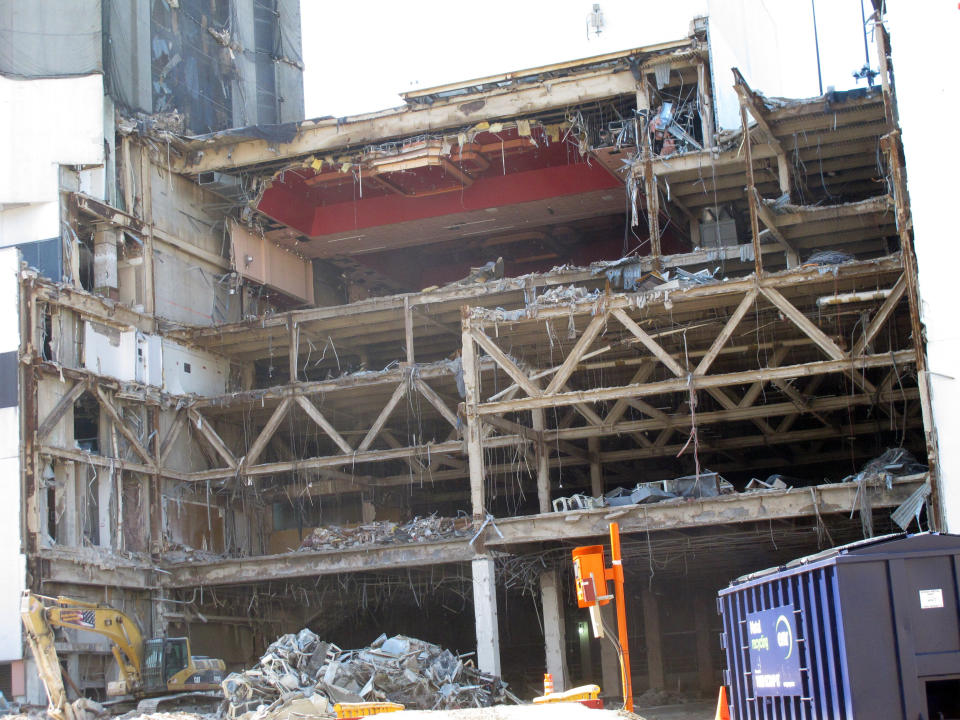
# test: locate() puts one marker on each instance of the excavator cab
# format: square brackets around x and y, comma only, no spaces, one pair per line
[164,659]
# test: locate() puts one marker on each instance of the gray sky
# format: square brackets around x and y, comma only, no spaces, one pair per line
[360,54]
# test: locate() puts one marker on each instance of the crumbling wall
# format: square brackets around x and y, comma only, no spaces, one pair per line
[195,522]
[184,210]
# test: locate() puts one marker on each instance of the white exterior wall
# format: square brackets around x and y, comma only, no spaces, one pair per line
[207,373]
[132,356]
[109,351]
[45,124]
[12,562]
[924,63]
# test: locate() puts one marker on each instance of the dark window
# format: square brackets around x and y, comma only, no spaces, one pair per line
[6,680]
[943,699]
[8,379]
[176,657]
[44,256]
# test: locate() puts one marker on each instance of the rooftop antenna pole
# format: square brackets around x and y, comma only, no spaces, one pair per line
[816,42]
[866,48]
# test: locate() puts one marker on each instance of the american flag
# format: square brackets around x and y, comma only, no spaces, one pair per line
[83,618]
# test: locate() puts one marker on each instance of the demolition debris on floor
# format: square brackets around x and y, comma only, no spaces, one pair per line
[431,528]
[303,675]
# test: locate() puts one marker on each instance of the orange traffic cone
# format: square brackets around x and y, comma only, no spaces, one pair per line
[723,709]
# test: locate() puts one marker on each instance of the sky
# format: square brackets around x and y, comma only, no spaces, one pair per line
[360,55]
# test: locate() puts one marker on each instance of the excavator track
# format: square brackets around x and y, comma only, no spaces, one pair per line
[198,702]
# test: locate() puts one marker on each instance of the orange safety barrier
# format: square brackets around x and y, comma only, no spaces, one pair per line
[356,710]
[583,693]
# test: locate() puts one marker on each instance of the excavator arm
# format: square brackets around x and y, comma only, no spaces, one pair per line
[40,614]
[40,638]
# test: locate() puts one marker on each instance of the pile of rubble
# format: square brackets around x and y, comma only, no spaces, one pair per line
[180,553]
[302,675]
[431,528]
[706,484]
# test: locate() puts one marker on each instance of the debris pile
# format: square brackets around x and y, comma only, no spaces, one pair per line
[431,528]
[180,553]
[301,674]
[628,274]
[558,296]
[773,482]
[569,295]
[893,462]
[829,257]
[706,484]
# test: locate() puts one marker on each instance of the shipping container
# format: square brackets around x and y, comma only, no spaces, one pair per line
[868,630]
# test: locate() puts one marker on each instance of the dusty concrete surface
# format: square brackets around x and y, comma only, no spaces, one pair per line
[556,711]
[686,711]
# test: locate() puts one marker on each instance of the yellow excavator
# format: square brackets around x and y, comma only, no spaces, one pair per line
[147,668]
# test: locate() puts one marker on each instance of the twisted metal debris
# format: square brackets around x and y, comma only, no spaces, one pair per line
[301,673]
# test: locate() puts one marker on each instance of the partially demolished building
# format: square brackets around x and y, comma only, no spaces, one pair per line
[380,373]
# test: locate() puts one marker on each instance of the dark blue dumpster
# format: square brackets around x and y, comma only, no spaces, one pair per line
[868,630]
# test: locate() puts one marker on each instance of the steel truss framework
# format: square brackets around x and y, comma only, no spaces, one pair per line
[655,372]
[627,336]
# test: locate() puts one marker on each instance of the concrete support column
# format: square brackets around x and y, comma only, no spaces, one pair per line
[703,607]
[105,261]
[543,466]
[105,507]
[651,631]
[67,532]
[473,436]
[554,629]
[485,615]
[368,511]
[596,469]
[609,659]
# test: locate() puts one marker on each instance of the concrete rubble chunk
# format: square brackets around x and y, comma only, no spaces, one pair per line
[430,528]
[301,667]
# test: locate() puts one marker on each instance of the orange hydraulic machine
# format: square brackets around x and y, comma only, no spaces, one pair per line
[591,575]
